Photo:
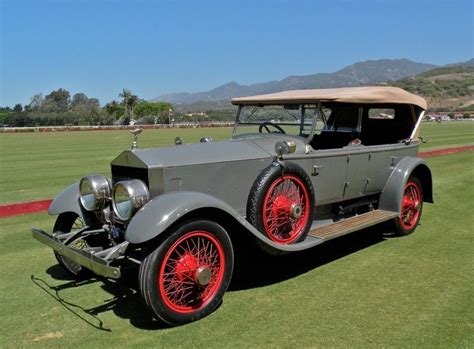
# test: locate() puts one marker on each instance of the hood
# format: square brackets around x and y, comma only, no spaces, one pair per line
[192,154]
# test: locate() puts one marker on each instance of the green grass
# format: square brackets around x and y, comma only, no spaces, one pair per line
[361,290]
[39,165]
[447,134]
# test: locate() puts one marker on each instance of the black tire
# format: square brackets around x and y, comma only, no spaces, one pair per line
[411,208]
[190,286]
[65,223]
[292,229]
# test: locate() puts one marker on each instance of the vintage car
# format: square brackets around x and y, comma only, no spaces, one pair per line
[302,167]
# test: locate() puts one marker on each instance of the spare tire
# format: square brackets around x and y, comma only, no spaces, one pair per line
[281,203]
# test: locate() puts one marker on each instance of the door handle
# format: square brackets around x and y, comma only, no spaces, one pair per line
[316,169]
[393,159]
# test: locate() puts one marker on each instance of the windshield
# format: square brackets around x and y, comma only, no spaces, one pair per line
[294,119]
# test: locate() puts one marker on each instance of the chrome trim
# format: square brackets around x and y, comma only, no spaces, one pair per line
[86,259]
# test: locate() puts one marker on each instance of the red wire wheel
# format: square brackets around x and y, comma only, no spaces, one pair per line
[281,203]
[411,207]
[185,278]
[191,272]
[285,209]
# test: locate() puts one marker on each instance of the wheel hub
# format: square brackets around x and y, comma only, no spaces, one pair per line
[188,268]
[284,207]
[296,211]
[185,267]
[203,276]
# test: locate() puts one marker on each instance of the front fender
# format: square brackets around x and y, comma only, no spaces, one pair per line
[66,201]
[392,194]
[162,211]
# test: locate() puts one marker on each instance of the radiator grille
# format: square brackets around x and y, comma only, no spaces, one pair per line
[121,173]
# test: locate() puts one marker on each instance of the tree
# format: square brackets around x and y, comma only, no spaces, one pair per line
[94,102]
[129,100]
[83,105]
[49,106]
[18,108]
[79,100]
[60,98]
[115,109]
[36,101]
[4,118]
[157,111]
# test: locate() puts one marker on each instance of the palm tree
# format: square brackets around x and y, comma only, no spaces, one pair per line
[129,100]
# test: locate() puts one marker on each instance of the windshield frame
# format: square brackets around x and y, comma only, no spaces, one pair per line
[301,106]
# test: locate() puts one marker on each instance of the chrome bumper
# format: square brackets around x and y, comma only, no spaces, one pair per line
[86,259]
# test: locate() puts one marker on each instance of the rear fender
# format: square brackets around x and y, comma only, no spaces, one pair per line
[392,194]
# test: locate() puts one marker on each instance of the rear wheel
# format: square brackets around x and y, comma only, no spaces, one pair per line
[185,278]
[412,206]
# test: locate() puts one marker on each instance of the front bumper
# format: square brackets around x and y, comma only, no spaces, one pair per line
[84,258]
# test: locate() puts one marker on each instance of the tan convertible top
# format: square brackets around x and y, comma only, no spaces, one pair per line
[366,94]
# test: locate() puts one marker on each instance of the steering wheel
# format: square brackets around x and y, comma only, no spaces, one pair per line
[264,125]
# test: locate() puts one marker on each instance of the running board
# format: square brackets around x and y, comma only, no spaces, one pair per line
[349,225]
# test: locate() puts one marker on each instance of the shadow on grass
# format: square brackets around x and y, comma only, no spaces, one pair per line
[252,269]
[125,302]
[256,269]
[75,309]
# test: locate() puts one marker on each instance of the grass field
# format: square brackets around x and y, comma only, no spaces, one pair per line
[362,290]
[39,165]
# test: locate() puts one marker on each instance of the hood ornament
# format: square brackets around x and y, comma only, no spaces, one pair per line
[135,133]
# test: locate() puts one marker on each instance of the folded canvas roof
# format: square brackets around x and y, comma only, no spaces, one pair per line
[366,94]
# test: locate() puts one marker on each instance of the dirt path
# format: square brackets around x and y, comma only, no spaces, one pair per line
[21,208]
[445,151]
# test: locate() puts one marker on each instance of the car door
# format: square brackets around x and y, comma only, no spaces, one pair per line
[357,174]
[328,175]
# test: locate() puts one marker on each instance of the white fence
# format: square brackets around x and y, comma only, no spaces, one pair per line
[113,127]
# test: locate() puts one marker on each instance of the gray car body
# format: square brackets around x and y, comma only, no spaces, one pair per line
[218,176]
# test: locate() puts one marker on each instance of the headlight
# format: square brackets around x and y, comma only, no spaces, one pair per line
[129,196]
[95,191]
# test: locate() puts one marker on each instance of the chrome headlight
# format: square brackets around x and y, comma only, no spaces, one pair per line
[95,191]
[128,197]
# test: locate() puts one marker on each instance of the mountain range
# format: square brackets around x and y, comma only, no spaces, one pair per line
[360,73]
[448,88]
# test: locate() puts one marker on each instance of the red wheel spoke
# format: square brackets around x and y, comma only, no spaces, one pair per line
[187,245]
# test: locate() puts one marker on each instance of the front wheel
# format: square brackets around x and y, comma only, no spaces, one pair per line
[185,278]
[66,223]
[411,208]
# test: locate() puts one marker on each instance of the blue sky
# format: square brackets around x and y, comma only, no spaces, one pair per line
[154,47]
